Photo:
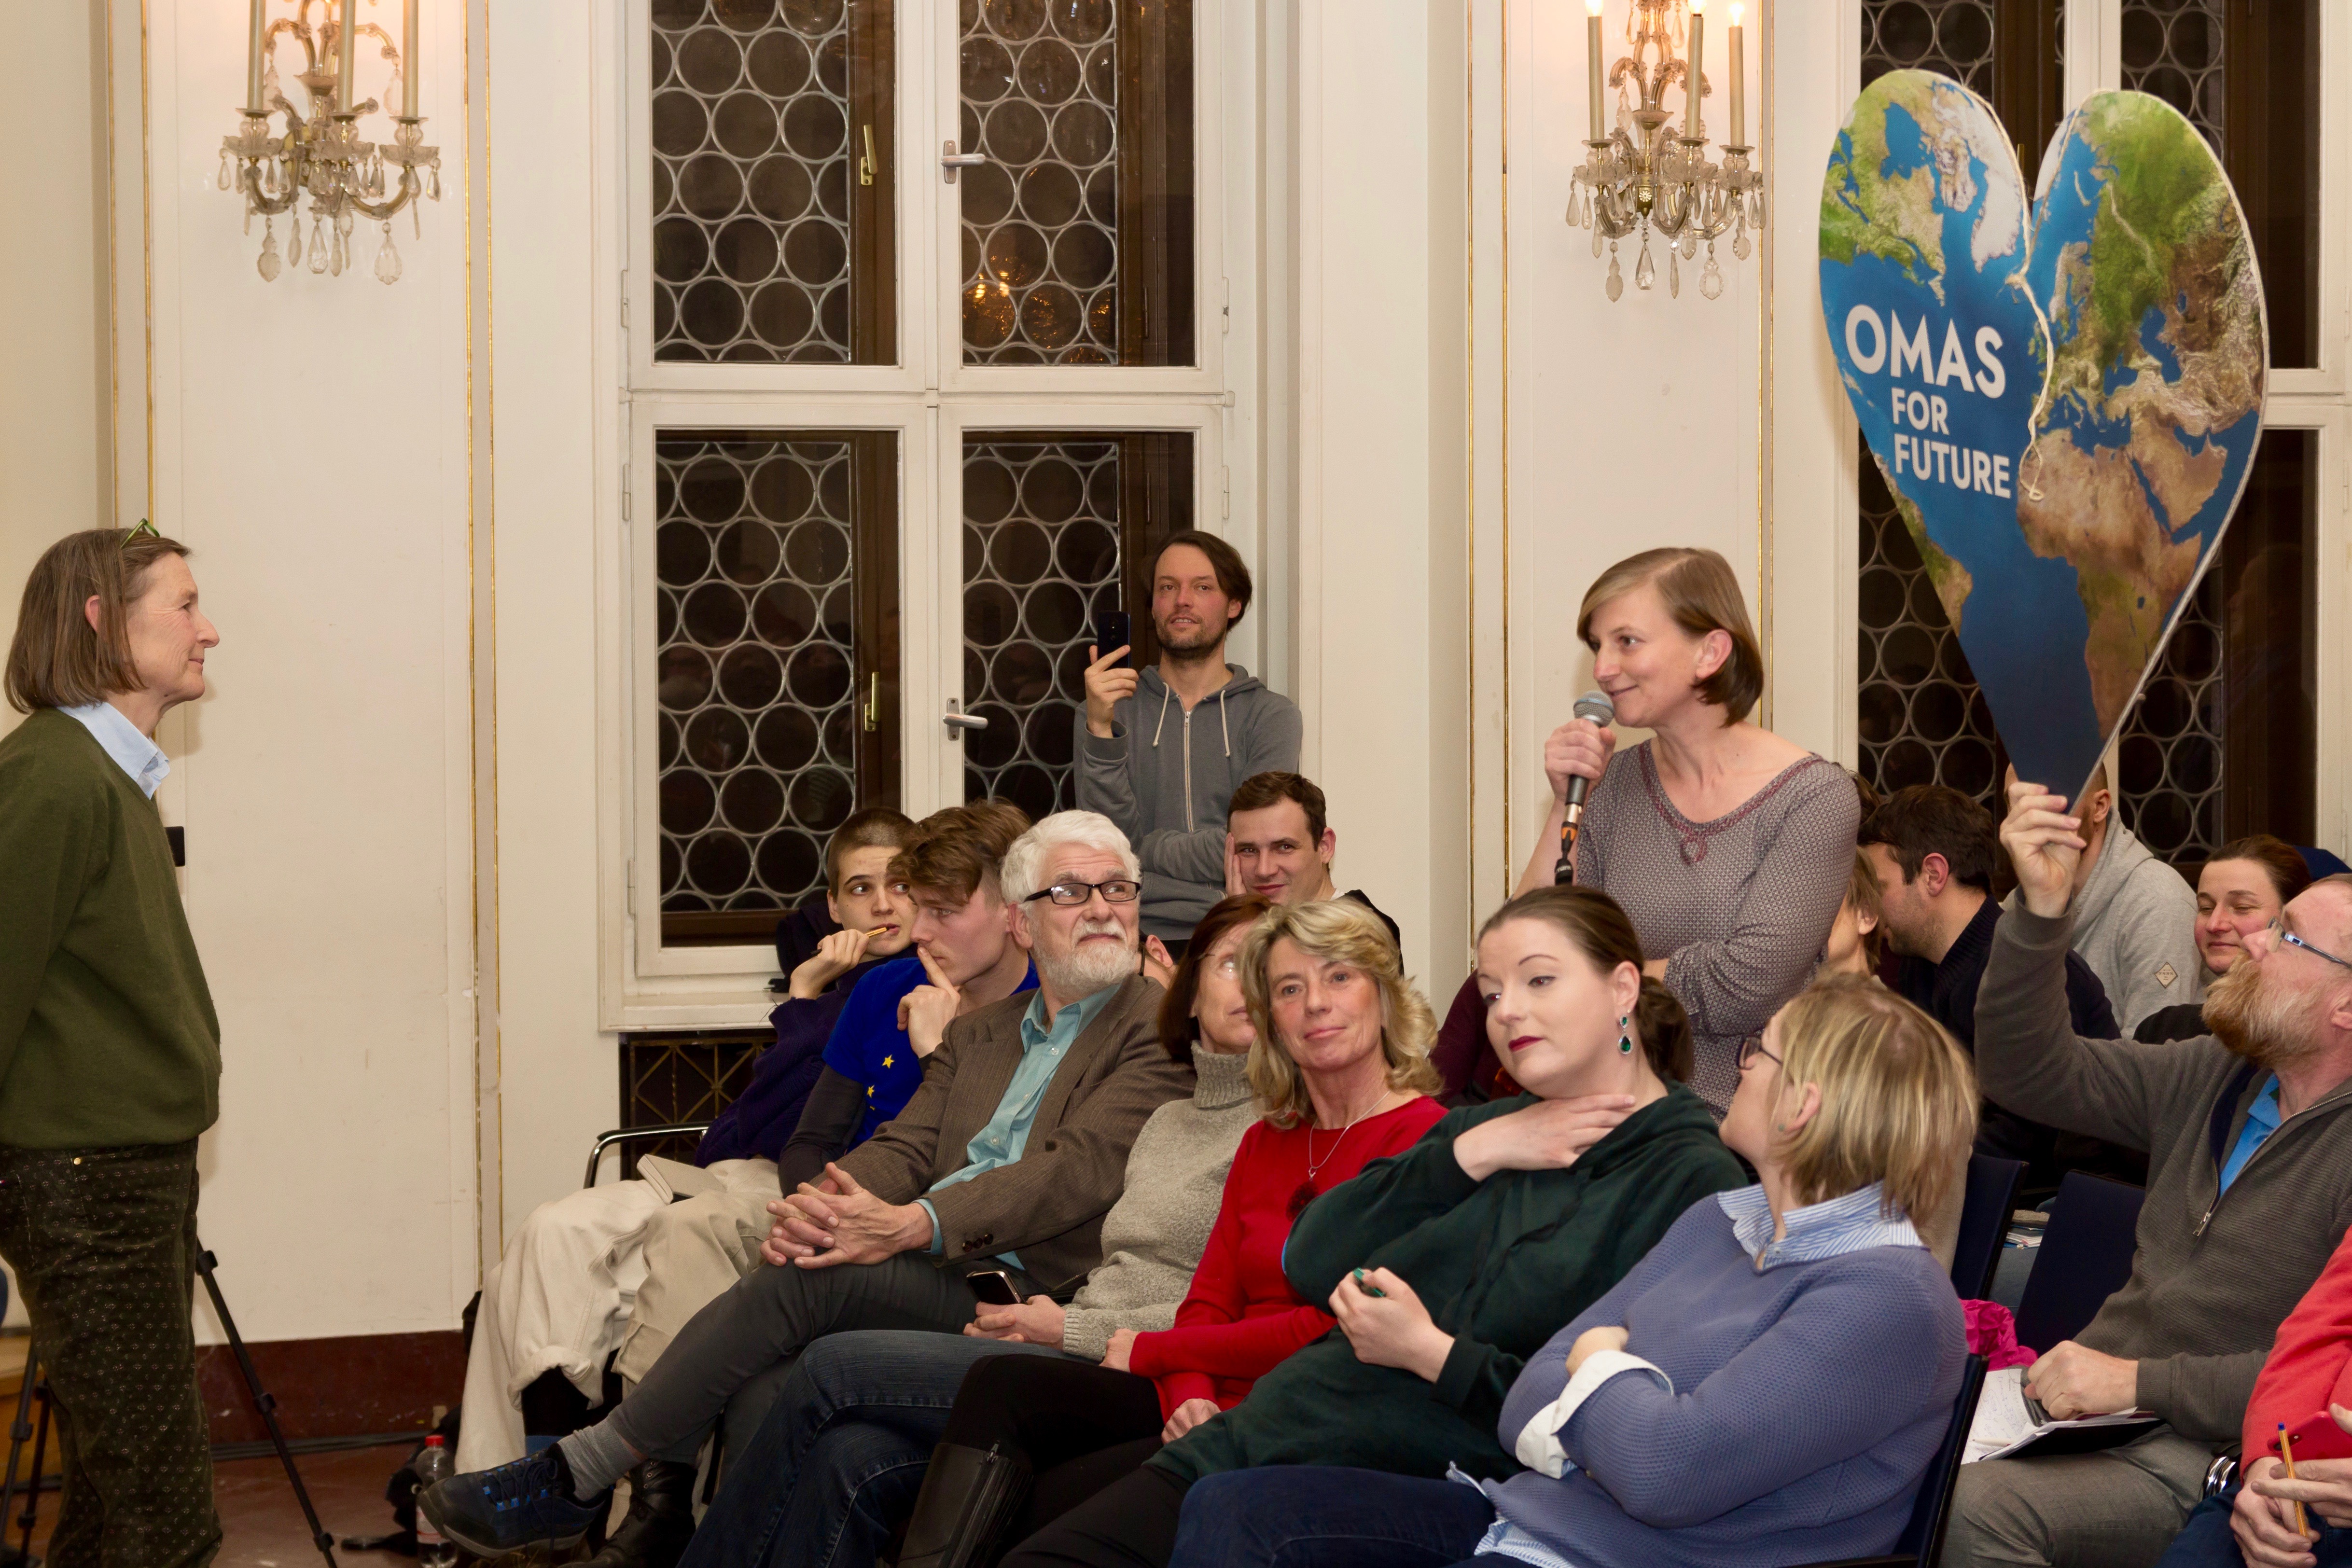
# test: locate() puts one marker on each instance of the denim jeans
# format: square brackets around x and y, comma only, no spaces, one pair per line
[837,1465]
[1316,1516]
[2205,1541]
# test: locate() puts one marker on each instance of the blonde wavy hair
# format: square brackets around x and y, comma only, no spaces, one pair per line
[1336,931]
[1898,1097]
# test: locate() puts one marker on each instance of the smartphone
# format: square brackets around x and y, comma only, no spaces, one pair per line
[1114,629]
[2318,1438]
[993,1286]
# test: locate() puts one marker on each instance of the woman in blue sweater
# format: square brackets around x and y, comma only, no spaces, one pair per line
[1767,1386]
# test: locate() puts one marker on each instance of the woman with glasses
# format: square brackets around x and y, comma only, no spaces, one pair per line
[1769,1384]
[2240,891]
[1450,1265]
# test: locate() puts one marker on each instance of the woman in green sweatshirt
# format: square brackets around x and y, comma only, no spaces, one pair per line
[1452,1263]
[110,1052]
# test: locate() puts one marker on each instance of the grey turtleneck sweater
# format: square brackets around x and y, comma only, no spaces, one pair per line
[1153,1236]
[2135,925]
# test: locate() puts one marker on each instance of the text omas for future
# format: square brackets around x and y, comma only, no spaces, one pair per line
[1945,462]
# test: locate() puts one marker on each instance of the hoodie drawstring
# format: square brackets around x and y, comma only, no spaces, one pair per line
[1165,694]
[1226,729]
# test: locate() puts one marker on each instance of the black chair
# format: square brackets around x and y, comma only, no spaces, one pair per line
[1984,1223]
[2087,1255]
[1922,1541]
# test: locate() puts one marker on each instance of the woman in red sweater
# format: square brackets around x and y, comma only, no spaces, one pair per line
[1341,1070]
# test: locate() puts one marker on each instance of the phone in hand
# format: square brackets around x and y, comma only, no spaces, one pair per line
[1114,630]
[2318,1438]
[994,1287]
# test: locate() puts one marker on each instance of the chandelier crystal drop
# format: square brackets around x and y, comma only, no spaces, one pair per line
[319,153]
[1650,172]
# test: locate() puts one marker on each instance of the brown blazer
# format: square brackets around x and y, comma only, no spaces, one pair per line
[1049,1203]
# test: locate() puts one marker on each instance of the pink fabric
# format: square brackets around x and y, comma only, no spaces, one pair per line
[1993,1333]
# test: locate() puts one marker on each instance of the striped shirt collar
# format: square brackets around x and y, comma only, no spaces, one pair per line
[1816,1231]
[133,752]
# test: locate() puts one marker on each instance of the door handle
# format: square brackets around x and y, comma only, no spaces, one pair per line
[950,160]
[957,722]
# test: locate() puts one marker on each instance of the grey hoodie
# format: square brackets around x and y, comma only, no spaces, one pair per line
[2135,925]
[1164,777]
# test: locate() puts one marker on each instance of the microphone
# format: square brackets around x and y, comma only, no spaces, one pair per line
[1596,706]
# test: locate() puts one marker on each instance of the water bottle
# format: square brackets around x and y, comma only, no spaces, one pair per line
[433,1548]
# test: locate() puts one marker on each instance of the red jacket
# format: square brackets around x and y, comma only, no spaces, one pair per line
[1241,1316]
[2310,1363]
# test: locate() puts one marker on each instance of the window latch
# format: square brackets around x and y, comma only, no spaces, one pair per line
[873,702]
[950,160]
[956,721]
[869,163]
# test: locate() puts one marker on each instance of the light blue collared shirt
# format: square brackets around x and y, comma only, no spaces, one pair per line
[1006,1135]
[133,752]
[2261,1121]
[1816,1231]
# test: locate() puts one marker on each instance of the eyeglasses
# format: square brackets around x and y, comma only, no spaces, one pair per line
[1753,1047]
[2279,933]
[1070,894]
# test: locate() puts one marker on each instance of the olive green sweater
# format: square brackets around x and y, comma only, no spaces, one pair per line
[1500,1264]
[107,1033]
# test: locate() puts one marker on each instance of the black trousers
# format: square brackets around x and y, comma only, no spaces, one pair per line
[1086,1430]
[104,1243]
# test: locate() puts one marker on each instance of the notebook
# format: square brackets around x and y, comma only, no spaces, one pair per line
[2011,1422]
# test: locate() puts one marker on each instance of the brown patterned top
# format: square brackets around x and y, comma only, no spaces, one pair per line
[1739,906]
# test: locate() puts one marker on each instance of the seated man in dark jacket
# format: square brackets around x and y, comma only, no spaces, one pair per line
[1933,849]
[2249,1137]
[1004,1162]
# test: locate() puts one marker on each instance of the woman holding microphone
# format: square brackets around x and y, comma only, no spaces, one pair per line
[1728,847]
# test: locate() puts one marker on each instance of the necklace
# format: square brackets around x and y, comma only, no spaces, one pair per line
[1306,1191]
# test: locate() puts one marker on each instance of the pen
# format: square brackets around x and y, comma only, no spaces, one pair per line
[2286,1451]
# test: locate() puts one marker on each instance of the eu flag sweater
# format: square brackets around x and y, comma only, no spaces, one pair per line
[107,1037]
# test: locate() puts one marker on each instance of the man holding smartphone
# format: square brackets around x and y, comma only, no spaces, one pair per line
[1161,750]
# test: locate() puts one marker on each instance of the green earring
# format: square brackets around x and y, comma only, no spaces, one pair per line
[1624,1039]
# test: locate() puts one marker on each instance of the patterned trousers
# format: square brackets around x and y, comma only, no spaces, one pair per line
[104,1242]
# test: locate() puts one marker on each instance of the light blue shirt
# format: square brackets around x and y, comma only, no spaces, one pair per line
[1816,1231]
[133,752]
[2261,1121]
[1007,1133]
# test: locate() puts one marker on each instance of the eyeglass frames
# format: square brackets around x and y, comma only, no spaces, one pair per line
[1070,894]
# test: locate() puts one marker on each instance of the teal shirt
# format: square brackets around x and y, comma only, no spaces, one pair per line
[1006,1135]
[2261,1121]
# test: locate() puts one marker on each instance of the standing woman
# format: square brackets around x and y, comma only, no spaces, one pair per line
[1728,847]
[109,1051]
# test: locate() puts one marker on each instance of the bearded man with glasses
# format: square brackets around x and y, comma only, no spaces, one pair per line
[1003,1163]
[2249,1136]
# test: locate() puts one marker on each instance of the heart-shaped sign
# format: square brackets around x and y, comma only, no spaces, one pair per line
[2065,409]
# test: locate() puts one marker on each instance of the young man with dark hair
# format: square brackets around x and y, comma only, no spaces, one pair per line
[555,1307]
[1142,760]
[1933,849]
[1279,844]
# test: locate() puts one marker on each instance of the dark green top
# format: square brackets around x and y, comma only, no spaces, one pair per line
[107,1033]
[1501,1265]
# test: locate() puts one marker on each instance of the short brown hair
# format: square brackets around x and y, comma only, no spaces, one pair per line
[1233,575]
[58,659]
[1178,1028]
[1597,928]
[2286,868]
[875,828]
[1702,596]
[1342,931]
[958,851]
[1260,790]
[1925,820]
[1898,1097]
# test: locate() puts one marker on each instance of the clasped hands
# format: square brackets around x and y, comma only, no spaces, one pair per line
[836,1221]
[2263,1519]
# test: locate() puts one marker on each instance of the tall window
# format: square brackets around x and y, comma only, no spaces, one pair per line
[920,376]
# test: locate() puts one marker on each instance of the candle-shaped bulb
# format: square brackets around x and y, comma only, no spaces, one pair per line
[255,47]
[408,58]
[1738,79]
[1593,7]
[1695,82]
[347,57]
[1738,10]
[1596,128]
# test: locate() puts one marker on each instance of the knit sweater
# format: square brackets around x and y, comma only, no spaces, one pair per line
[1241,1317]
[1498,1263]
[2214,1273]
[1807,1400]
[107,1037]
[1152,1237]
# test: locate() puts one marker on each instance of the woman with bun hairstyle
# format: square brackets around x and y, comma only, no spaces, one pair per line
[2240,891]
[1450,1264]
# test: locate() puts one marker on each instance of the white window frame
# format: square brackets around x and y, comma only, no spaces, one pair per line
[929,398]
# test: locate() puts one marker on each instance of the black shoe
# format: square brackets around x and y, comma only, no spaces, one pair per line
[490,1512]
[660,1520]
[968,1497]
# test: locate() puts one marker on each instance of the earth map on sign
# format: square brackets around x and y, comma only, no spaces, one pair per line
[2064,410]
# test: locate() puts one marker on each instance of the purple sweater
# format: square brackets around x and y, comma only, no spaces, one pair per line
[1808,1402]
